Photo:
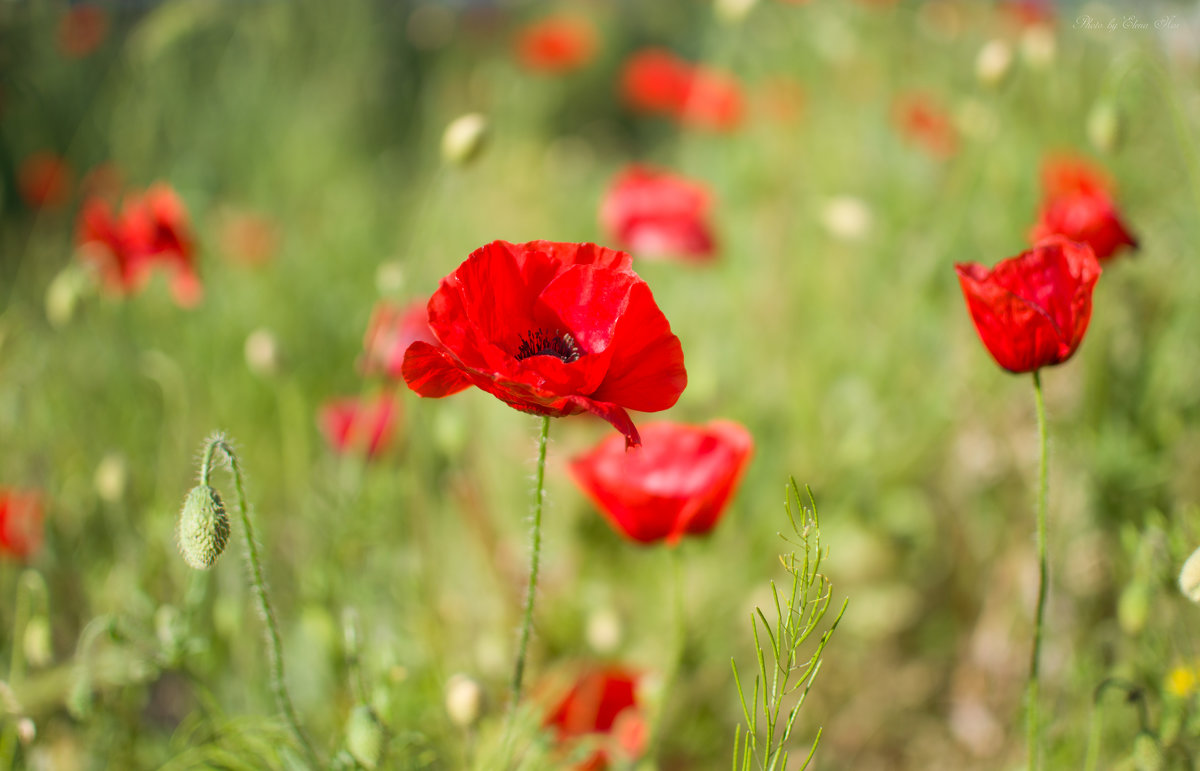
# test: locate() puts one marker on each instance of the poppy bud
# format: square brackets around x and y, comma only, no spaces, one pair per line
[1104,126]
[63,294]
[26,731]
[262,352]
[1189,577]
[203,527]
[604,630]
[365,737]
[111,475]
[993,62]
[1133,607]
[1038,46]
[36,641]
[464,699]
[733,11]
[464,138]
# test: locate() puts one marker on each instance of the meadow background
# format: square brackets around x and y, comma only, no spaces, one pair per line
[305,140]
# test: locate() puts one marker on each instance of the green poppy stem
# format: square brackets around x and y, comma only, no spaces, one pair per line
[535,553]
[1032,721]
[283,699]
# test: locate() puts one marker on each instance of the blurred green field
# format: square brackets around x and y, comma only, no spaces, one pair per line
[841,341]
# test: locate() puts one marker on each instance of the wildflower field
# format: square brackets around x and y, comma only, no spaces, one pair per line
[455,385]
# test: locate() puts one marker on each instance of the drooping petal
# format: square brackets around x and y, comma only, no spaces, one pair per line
[431,372]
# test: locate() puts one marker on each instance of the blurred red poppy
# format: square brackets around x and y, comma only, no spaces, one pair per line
[551,329]
[359,425]
[556,44]
[601,708]
[654,213]
[20,523]
[1032,310]
[247,238]
[677,483]
[1028,13]
[658,82]
[1078,205]
[389,333]
[152,230]
[922,121]
[44,180]
[81,29]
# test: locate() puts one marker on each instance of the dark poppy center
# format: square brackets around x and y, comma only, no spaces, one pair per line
[561,345]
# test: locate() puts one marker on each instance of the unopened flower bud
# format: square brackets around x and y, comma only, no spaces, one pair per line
[26,731]
[1038,46]
[63,294]
[1133,607]
[733,11]
[110,478]
[1189,577]
[464,699]
[464,138]
[993,62]
[36,641]
[603,630]
[1104,126]
[203,527]
[262,352]
[365,737]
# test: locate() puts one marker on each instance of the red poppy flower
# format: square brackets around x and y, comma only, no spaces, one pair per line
[556,44]
[358,425]
[152,230]
[1031,310]
[391,330]
[924,122]
[20,523]
[677,483]
[1078,205]
[1028,13]
[81,30]
[551,329]
[601,707]
[44,180]
[654,213]
[658,82]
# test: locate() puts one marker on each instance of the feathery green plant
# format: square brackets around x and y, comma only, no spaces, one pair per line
[763,742]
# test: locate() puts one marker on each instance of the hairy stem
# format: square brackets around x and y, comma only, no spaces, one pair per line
[283,699]
[1031,714]
[535,552]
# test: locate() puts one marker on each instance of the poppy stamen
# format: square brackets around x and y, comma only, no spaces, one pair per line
[561,345]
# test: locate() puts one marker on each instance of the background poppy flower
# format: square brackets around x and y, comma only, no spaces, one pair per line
[152,230]
[551,329]
[1078,205]
[677,483]
[1032,310]
[658,82]
[20,523]
[601,704]
[922,121]
[556,44]
[389,333]
[352,424]
[81,30]
[655,213]
[44,180]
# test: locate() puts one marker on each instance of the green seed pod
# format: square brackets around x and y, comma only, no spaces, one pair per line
[36,640]
[203,527]
[1189,577]
[365,737]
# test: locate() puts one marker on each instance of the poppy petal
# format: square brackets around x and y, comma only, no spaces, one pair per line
[431,372]
[646,372]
